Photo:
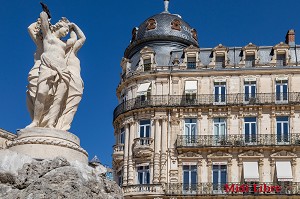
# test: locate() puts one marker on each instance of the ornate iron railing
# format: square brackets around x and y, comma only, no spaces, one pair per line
[284,188]
[238,140]
[143,189]
[206,100]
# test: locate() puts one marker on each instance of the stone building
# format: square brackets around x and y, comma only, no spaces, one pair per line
[207,122]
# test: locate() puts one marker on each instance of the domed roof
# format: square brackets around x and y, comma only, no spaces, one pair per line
[164,27]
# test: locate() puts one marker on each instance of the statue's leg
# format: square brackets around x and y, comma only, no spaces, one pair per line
[55,109]
[39,104]
[69,112]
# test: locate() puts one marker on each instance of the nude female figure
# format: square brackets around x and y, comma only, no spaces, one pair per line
[34,31]
[54,75]
[77,39]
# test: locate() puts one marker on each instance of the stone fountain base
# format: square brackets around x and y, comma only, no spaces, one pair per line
[45,143]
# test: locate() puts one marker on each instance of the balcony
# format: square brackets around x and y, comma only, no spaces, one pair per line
[143,147]
[143,189]
[118,152]
[233,189]
[237,140]
[207,100]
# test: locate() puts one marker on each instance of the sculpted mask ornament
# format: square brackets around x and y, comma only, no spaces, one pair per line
[55,85]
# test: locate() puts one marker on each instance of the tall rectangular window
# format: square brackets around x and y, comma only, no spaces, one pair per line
[220,61]
[250,91]
[120,178]
[282,129]
[219,131]
[281,59]
[143,174]
[281,91]
[250,61]
[190,130]
[189,178]
[144,132]
[219,175]
[191,62]
[122,136]
[250,130]
[220,92]
[147,64]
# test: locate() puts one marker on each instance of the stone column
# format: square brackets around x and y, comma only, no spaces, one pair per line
[164,126]
[126,147]
[229,170]
[240,167]
[157,151]
[261,169]
[272,164]
[130,154]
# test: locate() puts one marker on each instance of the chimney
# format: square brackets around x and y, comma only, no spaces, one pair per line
[290,37]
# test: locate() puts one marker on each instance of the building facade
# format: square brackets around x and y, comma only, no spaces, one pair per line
[206,122]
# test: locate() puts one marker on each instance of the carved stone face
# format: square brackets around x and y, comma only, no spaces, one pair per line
[176,25]
[63,31]
[151,24]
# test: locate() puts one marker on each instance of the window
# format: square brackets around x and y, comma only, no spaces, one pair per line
[219,175]
[282,129]
[250,61]
[190,130]
[143,175]
[250,130]
[191,62]
[143,93]
[281,60]
[120,178]
[147,64]
[219,131]
[281,91]
[220,61]
[190,92]
[250,91]
[144,132]
[122,136]
[220,92]
[189,179]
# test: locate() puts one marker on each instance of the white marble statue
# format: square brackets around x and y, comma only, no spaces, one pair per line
[77,39]
[35,33]
[55,86]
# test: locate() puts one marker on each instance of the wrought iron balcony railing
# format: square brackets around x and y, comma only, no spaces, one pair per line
[207,100]
[238,140]
[284,188]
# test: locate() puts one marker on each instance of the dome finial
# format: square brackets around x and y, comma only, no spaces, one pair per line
[166,6]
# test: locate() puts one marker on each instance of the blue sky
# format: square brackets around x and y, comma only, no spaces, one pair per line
[107,26]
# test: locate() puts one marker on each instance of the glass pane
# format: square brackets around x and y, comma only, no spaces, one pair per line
[216,129]
[140,178]
[246,93]
[285,92]
[223,130]
[187,129]
[141,131]
[215,176]
[147,181]
[253,91]
[193,177]
[278,92]
[216,94]
[286,132]
[193,132]
[223,177]
[186,178]
[279,132]
[223,92]
[147,131]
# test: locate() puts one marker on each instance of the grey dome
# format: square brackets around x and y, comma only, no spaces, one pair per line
[163,31]
[163,28]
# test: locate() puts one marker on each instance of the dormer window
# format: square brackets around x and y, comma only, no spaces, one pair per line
[147,59]
[147,64]
[250,61]
[280,55]
[281,59]
[191,62]
[219,57]
[249,56]
[220,61]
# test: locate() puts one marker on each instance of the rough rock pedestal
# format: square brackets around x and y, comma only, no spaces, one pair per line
[45,143]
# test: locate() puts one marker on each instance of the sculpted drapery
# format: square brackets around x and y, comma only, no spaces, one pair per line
[55,86]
